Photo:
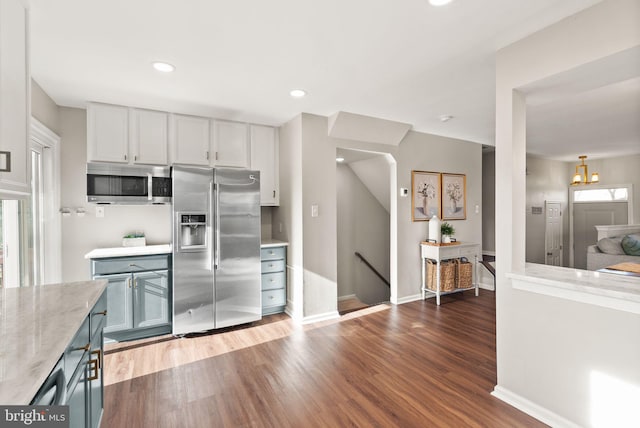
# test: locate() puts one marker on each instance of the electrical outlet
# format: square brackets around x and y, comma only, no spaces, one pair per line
[99,212]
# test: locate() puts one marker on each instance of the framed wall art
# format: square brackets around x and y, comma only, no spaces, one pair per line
[454,196]
[425,195]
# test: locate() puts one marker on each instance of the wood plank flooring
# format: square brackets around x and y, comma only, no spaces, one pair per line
[412,365]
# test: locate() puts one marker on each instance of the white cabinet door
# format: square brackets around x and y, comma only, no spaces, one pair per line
[189,140]
[14,99]
[149,137]
[264,157]
[107,133]
[230,145]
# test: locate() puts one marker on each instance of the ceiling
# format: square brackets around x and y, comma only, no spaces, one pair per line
[402,60]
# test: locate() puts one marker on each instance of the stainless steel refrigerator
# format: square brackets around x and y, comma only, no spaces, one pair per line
[216,248]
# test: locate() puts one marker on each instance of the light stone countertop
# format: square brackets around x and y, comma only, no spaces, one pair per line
[36,326]
[602,289]
[146,250]
[268,243]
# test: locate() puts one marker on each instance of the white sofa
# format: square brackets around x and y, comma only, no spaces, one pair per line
[596,259]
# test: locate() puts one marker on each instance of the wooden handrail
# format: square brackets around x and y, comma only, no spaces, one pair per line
[361,257]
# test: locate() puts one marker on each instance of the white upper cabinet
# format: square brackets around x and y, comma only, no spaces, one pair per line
[264,157]
[149,137]
[230,145]
[15,106]
[107,133]
[189,140]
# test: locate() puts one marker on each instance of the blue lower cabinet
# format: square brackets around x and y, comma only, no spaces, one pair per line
[274,279]
[139,293]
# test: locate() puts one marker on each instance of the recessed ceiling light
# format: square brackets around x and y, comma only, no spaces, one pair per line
[439,2]
[298,93]
[445,118]
[165,67]
[339,159]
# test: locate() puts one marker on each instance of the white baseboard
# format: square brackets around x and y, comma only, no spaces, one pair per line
[407,299]
[321,317]
[486,286]
[346,297]
[532,409]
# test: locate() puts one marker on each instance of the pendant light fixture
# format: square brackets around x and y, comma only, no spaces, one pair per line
[582,177]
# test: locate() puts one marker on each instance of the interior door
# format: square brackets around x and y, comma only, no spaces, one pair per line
[553,233]
[587,215]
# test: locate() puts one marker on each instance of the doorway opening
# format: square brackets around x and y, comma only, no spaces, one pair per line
[364,227]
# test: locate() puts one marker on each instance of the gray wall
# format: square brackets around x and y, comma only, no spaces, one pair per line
[547,180]
[44,108]
[363,226]
[309,157]
[489,201]
[82,234]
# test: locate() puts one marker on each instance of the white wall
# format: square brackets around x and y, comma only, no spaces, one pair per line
[82,234]
[552,353]
[363,226]
[44,108]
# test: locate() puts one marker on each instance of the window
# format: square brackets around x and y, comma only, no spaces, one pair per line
[618,194]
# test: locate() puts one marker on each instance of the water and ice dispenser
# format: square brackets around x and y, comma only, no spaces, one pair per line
[193,231]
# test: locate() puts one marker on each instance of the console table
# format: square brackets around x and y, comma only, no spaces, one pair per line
[440,252]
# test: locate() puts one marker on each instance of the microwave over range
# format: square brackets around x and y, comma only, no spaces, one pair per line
[128,184]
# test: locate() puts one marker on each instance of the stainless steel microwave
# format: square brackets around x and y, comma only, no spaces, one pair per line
[128,184]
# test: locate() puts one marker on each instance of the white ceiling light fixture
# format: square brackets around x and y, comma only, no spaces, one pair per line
[298,93]
[164,67]
[439,2]
[445,117]
[339,159]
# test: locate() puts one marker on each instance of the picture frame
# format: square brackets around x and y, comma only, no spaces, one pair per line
[454,196]
[425,195]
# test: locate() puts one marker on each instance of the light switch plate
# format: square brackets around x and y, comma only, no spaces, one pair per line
[99,212]
[314,210]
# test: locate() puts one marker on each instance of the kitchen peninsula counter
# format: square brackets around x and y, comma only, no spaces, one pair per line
[36,325]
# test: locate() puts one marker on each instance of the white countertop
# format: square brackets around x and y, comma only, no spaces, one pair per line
[146,250]
[36,325]
[603,289]
[268,243]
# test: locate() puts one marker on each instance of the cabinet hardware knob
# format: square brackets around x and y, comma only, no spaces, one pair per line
[272,280]
[207,154]
[274,193]
[125,157]
[135,157]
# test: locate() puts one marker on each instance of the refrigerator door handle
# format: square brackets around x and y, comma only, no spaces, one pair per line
[217,207]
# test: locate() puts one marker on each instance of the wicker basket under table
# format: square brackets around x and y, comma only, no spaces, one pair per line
[447,275]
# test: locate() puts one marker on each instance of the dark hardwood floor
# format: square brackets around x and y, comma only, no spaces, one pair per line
[412,365]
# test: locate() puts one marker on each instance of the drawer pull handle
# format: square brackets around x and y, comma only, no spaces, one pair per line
[94,368]
[98,354]
[101,313]
[272,280]
[270,264]
[83,348]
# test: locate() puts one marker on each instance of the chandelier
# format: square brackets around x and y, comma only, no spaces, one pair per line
[581,177]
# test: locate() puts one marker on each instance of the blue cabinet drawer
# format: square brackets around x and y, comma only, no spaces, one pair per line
[273,266]
[272,253]
[130,264]
[272,281]
[74,353]
[274,298]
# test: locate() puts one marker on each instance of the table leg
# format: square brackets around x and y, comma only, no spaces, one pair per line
[438,282]
[475,274]
[424,284]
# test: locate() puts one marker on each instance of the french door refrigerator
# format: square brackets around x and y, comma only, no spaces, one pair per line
[216,248]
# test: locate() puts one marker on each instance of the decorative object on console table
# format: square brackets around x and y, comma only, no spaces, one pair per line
[447,231]
[425,195]
[454,197]
[434,229]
